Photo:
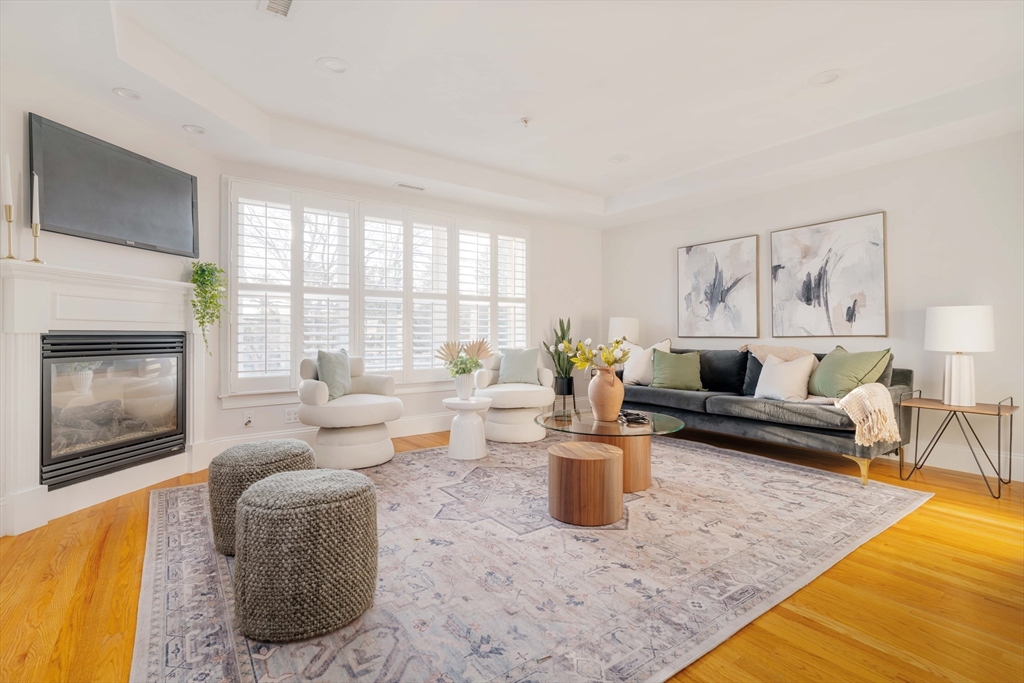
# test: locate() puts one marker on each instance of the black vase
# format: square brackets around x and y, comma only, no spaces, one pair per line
[564,386]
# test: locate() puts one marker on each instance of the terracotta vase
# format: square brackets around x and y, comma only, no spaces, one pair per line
[605,393]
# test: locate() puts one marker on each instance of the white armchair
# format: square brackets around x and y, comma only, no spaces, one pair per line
[513,406]
[352,431]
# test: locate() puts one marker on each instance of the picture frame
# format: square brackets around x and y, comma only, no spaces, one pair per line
[718,289]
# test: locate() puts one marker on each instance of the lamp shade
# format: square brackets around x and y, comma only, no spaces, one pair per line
[959,329]
[624,327]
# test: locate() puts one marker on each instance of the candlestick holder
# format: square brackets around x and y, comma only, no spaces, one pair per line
[9,217]
[35,244]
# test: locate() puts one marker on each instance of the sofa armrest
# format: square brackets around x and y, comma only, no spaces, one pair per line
[546,377]
[483,378]
[383,385]
[313,392]
[904,416]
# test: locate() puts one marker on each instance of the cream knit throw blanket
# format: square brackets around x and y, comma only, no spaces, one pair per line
[870,408]
[786,353]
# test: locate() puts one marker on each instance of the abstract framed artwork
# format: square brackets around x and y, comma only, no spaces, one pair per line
[717,283]
[829,280]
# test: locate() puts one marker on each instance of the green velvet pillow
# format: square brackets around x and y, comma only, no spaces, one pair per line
[677,371]
[840,372]
[334,370]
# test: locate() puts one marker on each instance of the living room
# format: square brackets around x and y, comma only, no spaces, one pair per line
[524,340]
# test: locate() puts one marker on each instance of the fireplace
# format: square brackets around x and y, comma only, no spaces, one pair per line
[109,401]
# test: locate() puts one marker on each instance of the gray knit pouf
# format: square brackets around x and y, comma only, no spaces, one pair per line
[306,561]
[238,468]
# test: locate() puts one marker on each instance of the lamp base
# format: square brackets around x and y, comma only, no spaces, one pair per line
[958,382]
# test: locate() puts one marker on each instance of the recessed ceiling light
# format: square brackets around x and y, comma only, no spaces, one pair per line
[189,128]
[332,65]
[825,78]
[127,94]
[619,158]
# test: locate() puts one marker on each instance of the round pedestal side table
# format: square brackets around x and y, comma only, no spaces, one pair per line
[585,483]
[467,436]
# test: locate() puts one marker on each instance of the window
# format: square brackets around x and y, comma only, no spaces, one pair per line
[310,271]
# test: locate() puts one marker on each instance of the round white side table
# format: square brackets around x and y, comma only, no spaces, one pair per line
[467,437]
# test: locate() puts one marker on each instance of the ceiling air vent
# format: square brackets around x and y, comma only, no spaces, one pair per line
[277,7]
[410,187]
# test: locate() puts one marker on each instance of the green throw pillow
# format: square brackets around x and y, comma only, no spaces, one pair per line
[677,371]
[518,366]
[334,370]
[840,372]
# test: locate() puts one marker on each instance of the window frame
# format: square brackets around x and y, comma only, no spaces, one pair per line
[280,390]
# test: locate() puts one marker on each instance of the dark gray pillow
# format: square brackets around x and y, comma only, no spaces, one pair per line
[721,369]
[752,374]
[885,379]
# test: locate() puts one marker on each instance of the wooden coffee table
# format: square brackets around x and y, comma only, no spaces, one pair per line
[585,483]
[633,439]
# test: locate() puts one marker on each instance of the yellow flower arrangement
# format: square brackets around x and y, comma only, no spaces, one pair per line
[603,356]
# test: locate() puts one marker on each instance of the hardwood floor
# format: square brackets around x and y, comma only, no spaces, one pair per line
[937,597]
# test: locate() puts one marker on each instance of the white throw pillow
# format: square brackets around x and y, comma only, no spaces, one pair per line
[639,369]
[785,381]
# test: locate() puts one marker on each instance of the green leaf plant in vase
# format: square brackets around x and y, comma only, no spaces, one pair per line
[605,391]
[462,360]
[208,296]
[561,352]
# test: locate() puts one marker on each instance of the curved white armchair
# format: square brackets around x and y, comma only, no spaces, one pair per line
[513,406]
[352,431]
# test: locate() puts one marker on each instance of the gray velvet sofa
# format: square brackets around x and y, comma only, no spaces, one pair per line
[728,406]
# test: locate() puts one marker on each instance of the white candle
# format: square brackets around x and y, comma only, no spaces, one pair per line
[35,198]
[8,196]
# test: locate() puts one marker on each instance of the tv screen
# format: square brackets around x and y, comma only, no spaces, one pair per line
[91,188]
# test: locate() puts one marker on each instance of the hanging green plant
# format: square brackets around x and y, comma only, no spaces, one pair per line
[208,296]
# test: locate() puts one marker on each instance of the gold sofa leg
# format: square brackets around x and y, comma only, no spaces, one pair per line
[864,463]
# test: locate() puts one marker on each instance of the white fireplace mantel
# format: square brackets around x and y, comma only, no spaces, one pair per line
[36,299]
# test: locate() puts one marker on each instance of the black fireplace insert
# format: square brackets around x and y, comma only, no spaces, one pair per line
[109,401]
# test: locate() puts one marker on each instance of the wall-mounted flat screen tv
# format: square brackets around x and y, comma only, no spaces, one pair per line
[93,189]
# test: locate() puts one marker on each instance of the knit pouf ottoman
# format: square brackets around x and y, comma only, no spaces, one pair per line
[306,560]
[238,468]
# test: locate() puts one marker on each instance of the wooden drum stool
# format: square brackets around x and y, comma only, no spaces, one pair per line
[585,483]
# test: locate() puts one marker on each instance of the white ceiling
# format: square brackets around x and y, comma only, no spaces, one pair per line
[707,98]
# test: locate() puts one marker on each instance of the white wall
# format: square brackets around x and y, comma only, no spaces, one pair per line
[954,234]
[563,259]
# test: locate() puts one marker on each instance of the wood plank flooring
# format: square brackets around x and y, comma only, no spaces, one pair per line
[937,597]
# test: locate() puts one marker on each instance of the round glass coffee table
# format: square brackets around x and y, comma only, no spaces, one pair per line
[633,439]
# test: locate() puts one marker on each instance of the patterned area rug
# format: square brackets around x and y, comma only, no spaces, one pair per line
[478,583]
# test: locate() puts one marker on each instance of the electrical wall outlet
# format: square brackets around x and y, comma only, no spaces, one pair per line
[247,418]
[291,415]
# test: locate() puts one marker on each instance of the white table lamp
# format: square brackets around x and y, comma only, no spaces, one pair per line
[959,330]
[624,327]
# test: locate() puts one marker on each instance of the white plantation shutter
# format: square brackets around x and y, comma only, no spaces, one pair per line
[429,330]
[382,333]
[512,325]
[310,271]
[325,323]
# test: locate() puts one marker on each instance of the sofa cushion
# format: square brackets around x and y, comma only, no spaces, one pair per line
[752,375]
[721,369]
[675,371]
[333,369]
[840,372]
[639,367]
[796,413]
[784,380]
[517,395]
[352,410]
[519,366]
[670,398]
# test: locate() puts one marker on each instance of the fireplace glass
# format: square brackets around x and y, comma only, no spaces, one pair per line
[106,403]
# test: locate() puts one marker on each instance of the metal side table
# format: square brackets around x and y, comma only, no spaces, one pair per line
[1004,408]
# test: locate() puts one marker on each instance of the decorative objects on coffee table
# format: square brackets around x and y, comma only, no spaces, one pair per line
[959,331]
[605,390]
[307,554]
[718,289]
[633,439]
[561,351]
[829,280]
[585,483]
[467,441]
[462,360]
[1004,408]
[241,466]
